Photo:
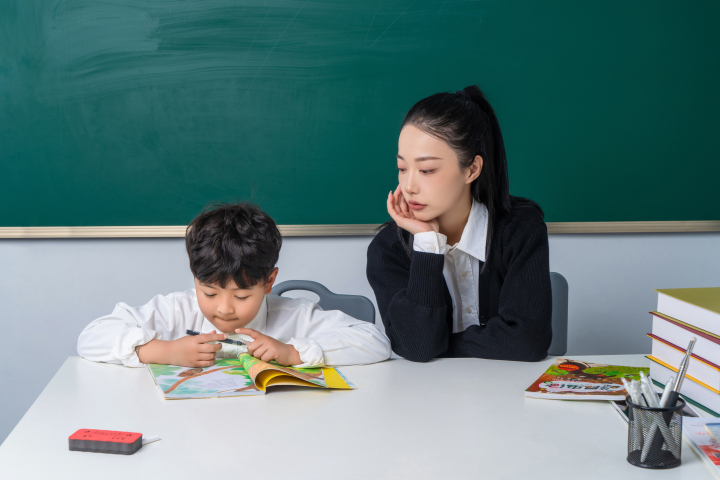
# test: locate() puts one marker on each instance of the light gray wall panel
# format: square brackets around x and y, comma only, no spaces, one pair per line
[51,289]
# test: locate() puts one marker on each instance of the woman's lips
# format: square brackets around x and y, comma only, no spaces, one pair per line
[416,206]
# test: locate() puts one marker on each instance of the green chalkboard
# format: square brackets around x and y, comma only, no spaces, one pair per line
[130,112]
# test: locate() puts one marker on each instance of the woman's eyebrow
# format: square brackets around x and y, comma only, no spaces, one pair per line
[419,159]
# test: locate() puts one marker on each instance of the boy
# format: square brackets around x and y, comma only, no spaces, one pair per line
[233,249]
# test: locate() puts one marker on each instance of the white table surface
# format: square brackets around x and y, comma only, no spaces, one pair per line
[450,418]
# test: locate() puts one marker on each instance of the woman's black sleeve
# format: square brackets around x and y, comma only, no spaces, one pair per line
[522,329]
[410,296]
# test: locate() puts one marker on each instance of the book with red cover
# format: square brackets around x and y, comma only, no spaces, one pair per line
[575,380]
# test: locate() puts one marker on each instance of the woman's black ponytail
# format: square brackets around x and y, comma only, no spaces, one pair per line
[466,121]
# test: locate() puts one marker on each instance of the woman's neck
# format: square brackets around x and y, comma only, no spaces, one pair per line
[452,223]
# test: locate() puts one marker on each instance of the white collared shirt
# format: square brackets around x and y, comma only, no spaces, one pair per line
[462,264]
[320,337]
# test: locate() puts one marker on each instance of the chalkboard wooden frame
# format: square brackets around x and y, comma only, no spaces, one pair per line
[174,231]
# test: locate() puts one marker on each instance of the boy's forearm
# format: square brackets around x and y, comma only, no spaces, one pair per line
[155,351]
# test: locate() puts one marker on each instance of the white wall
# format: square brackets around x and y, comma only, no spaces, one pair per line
[51,289]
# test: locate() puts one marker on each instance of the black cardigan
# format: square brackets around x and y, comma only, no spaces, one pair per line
[515,300]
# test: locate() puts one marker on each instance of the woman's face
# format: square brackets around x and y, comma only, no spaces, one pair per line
[429,174]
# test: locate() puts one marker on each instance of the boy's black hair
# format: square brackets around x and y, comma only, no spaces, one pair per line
[235,241]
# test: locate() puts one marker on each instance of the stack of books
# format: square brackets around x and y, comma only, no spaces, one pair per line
[684,313]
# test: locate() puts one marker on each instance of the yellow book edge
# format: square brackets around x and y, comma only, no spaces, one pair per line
[270,377]
[675,347]
[657,360]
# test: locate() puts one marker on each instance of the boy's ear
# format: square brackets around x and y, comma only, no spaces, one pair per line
[271,280]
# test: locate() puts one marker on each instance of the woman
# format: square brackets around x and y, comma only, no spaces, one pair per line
[462,270]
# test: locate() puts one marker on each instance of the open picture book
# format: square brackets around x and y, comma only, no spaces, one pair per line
[575,380]
[246,375]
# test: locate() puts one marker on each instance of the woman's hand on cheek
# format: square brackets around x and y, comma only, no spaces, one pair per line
[404,216]
[267,348]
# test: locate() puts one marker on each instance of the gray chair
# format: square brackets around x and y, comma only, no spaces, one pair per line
[356,306]
[559,287]
[362,308]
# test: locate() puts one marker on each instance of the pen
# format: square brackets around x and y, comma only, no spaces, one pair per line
[645,382]
[666,392]
[675,393]
[231,342]
[656,422]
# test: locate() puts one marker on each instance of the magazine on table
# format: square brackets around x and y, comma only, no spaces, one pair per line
[576,380]
[245,375]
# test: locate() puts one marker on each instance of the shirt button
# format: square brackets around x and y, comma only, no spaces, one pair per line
[464,275]
[468,310]
[432,249]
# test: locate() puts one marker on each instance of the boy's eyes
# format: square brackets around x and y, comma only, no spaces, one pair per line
[215,294]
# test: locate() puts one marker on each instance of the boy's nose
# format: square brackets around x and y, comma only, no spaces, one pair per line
[225,309]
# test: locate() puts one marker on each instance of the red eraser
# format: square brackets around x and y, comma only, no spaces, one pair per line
[105,441]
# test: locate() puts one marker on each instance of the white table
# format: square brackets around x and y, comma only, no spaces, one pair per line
[450,418]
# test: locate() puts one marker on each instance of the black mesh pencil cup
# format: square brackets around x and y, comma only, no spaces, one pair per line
[655,435]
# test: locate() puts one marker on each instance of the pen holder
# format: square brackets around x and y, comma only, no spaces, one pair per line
[654,435]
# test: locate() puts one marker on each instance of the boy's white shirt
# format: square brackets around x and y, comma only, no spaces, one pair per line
[320,337]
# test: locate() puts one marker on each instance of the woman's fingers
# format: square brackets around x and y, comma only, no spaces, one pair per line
[399,200]
[404,208]
[391,208]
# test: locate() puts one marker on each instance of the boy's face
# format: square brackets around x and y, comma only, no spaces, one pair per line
[231,307]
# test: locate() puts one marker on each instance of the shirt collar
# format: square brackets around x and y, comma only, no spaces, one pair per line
[474,234]
[259,323]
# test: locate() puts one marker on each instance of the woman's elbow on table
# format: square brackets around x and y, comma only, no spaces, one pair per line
[534,350]
[419,354]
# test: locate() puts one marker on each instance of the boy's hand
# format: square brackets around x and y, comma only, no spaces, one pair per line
[267,348]
[190,351]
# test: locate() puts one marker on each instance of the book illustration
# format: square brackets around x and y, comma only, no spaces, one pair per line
[714,430]
[256,367]
[245,375]
[704,444]
[575,380]
[227,377]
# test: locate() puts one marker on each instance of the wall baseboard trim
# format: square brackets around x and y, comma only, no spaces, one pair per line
[346,230]
[634,227]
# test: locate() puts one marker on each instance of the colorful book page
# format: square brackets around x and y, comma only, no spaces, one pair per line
[704,445]
[266,374]
[714,430]
[246,375]
[227,378]
[576,380]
